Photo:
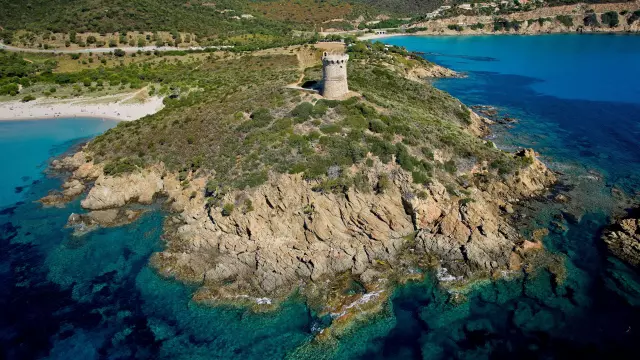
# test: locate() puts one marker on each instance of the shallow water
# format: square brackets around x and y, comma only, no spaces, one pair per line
[26,145]
[94,297]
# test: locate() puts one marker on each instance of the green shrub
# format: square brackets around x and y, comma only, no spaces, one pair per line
[320,109]
[565,20]
[303,110]
[383,183]
[450,166]
[252,179]
[330,128]
[403,158]
[419,177]
[428,153]
[328,103]
[258,119]
[227,209]
[381,148]
[9,89]
[120,166]
[247,206]
[506,25]
[28,98]
[377,125]
[591,20]
[610,18]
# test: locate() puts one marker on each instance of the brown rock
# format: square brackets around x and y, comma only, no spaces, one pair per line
[623,239]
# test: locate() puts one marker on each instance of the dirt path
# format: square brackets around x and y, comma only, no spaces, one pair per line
[126,49]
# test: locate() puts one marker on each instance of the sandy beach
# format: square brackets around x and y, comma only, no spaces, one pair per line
[118,107]
[382,36]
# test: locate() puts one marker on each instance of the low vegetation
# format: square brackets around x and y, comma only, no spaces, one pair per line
[565,20]
[502,24]
[243,125]
[610,19]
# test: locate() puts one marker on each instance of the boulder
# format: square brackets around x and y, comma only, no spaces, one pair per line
[116,191]
[623,238]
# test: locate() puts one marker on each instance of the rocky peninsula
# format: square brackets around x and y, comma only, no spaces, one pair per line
[366,192]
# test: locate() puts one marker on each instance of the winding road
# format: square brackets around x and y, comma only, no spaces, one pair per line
[127,49]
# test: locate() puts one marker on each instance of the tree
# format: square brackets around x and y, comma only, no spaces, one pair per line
[91,39]
[119,52]
[142,42]
[610,18]
[591,20]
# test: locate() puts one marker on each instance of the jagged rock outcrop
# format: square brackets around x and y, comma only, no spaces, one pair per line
[433,71]
[85,223]
[82,170]
[532,178]
[116,191]
[293,234]
[623,238]
[286,233]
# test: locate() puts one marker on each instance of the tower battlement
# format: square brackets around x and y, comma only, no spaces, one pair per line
[334,75]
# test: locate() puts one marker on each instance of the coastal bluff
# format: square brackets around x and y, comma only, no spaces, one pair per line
[291,236]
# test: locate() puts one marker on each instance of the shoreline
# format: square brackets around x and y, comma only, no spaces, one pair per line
[428,33]
[51,109]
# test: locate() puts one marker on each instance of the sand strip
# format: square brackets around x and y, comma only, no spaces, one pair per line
[108,107]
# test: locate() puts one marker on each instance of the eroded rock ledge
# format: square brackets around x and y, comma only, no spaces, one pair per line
[623,238]
[285,235]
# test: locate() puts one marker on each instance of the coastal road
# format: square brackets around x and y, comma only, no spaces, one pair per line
[127,49]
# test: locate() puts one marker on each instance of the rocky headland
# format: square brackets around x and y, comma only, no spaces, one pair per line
[428,194]
[286,235]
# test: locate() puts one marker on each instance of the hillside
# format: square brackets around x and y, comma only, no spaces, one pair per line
[198,16]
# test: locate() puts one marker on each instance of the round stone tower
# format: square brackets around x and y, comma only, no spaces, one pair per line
[334,75]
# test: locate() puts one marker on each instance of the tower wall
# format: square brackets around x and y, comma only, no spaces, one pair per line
[334,75]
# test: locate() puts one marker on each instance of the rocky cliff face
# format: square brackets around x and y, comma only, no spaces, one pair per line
[285,233]
[293,235]
[623,239]
[538,21]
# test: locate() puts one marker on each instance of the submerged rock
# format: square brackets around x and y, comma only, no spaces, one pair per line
[85,223]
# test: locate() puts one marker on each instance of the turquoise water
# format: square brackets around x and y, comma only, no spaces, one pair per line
[95,298]
[577,97]
[26,146]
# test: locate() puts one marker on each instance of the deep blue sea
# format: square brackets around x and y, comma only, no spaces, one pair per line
[577,101]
